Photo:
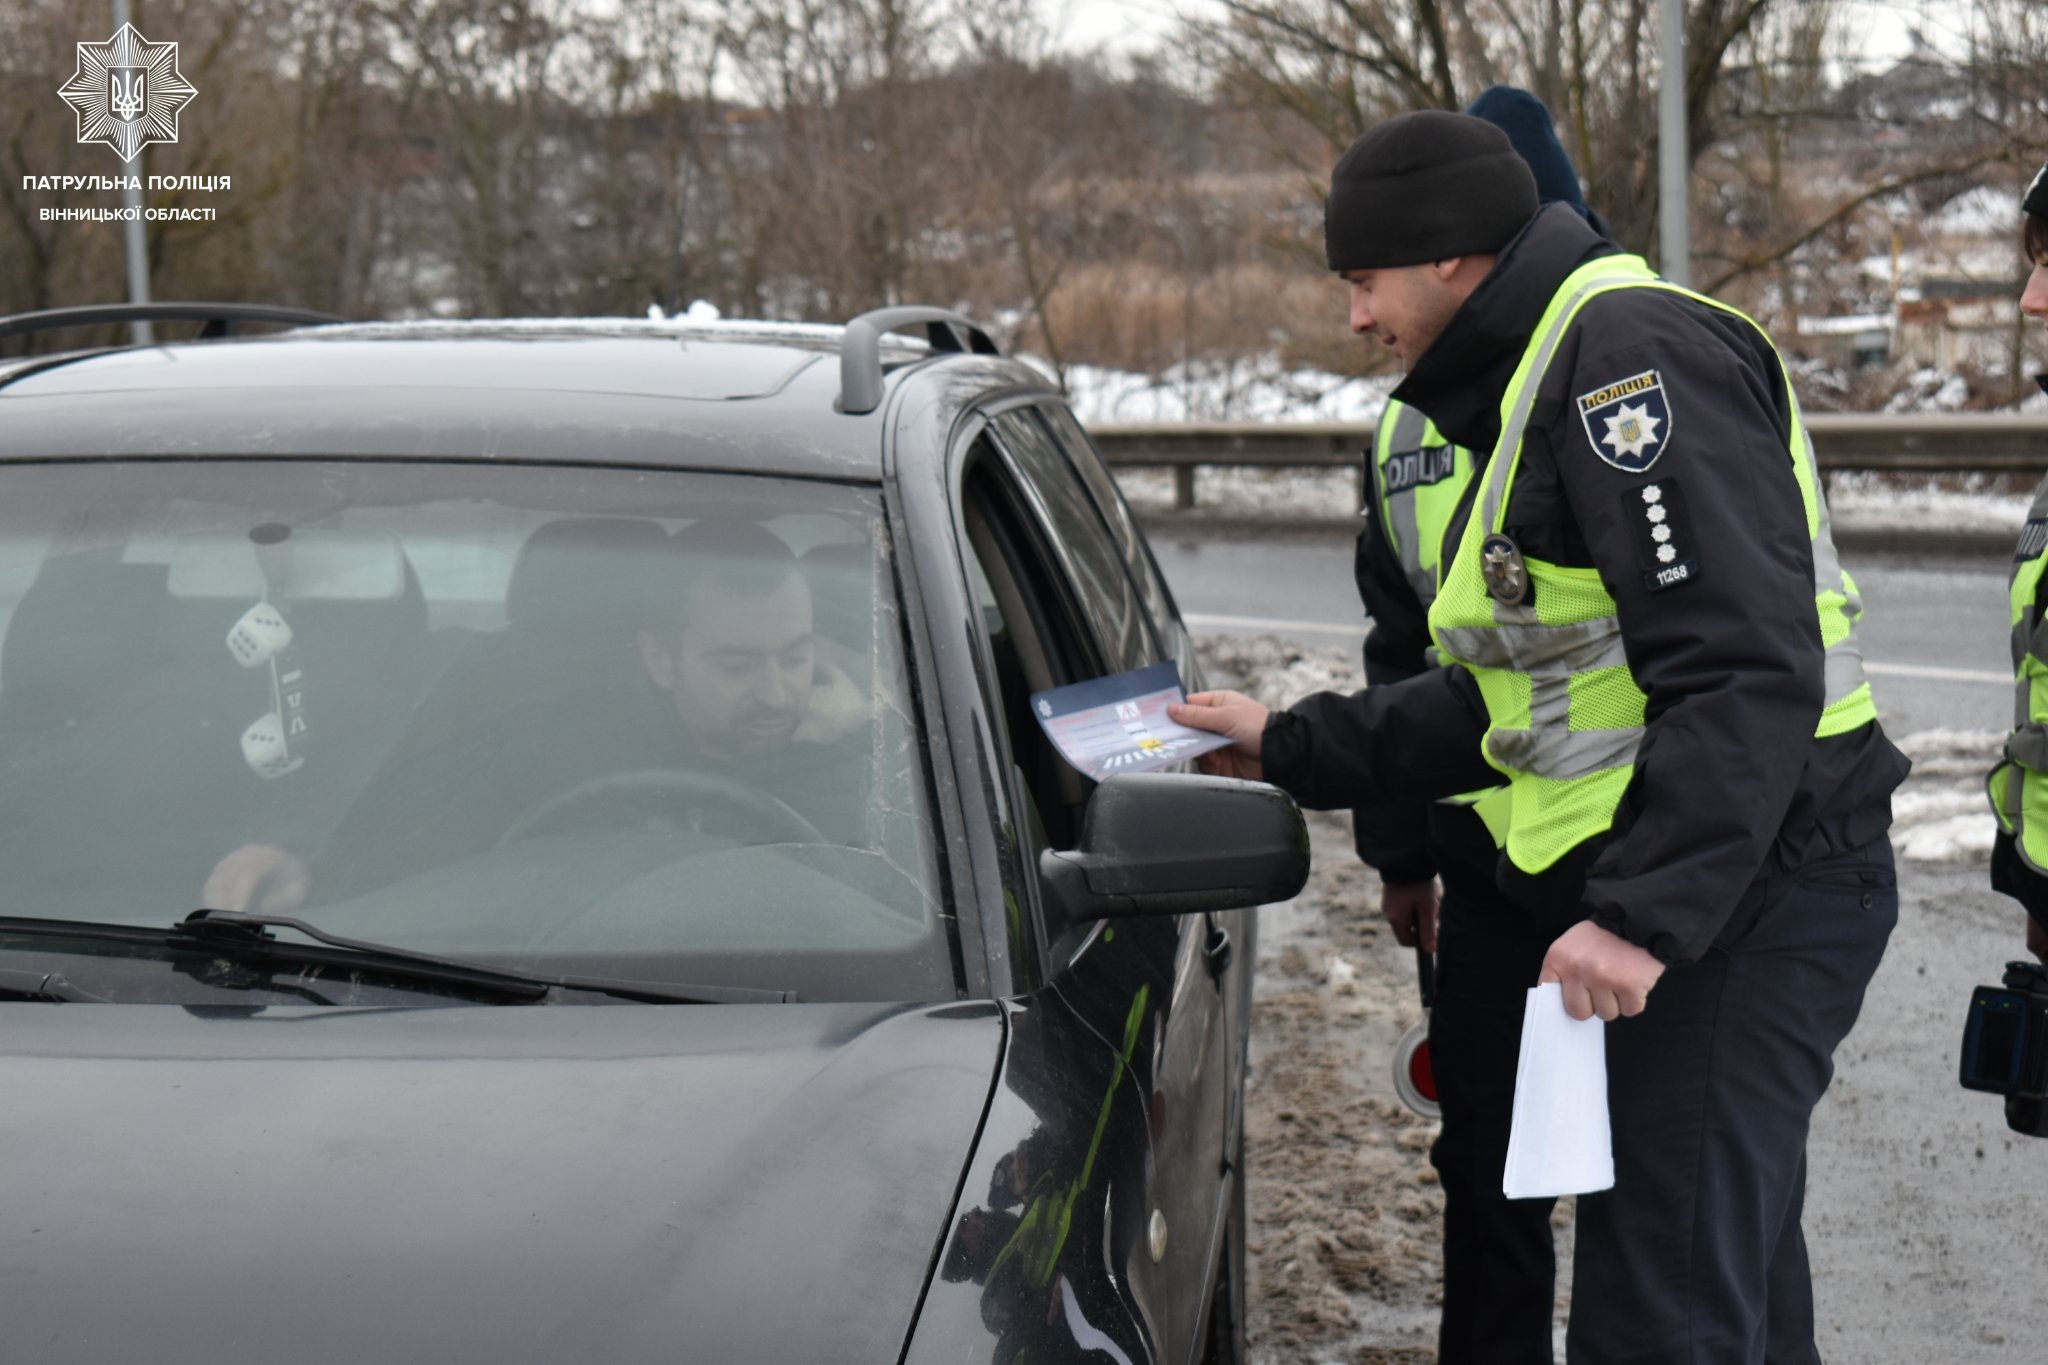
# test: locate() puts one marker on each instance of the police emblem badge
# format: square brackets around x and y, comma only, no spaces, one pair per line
[1507,577]
[1628,421]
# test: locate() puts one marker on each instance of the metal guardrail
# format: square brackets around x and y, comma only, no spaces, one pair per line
[1958,443]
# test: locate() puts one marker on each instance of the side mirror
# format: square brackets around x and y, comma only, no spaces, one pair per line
[1179,844]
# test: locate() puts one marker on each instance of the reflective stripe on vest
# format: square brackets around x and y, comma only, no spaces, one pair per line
[2018,787]
[1565,713]
[1418,478]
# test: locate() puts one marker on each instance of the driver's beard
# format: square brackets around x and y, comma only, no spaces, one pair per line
[738,743]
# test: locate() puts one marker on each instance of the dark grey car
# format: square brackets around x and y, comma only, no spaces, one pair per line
[677,672]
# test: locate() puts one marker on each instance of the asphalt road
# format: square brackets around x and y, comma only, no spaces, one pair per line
[1927,1219]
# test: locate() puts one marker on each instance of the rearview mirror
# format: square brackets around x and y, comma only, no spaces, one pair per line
[1179,844]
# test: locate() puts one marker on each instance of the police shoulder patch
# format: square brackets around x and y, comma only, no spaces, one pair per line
[1628,421]
[1663,534]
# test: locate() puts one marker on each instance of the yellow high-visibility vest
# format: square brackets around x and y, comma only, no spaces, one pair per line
[1565,716]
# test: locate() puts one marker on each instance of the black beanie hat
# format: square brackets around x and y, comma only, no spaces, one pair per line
[1424,186]
[1530,128]
[2035,200]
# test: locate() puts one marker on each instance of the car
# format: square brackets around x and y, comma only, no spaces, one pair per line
[550,820]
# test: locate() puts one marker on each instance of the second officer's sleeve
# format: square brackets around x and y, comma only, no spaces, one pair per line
[1391,832]
[1684,492]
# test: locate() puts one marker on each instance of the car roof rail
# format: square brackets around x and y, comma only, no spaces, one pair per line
[860,354]
[218,317]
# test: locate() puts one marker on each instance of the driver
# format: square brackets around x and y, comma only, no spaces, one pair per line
[722,678]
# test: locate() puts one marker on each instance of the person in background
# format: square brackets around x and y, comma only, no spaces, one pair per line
[2019,786]
[1436,863]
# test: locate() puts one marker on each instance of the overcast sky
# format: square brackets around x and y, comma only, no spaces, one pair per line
[1128,26]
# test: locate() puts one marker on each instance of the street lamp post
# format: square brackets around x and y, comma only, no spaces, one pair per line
[131,229]
[1674,201]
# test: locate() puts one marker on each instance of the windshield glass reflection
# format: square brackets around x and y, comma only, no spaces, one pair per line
[625,724]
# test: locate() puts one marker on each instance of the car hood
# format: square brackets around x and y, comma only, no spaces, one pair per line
[729,1183]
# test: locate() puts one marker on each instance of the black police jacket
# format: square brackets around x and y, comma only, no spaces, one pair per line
[1729,781]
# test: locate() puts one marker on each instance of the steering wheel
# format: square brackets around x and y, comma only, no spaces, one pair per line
[675,789]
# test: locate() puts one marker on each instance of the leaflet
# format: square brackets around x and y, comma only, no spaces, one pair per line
[1119,724]
[1559,1141]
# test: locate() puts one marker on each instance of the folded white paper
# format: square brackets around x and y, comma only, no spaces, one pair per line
[1560,1143]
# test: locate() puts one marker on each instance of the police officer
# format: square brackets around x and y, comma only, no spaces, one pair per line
[1655,652]
[1499,1263]
[2019,786]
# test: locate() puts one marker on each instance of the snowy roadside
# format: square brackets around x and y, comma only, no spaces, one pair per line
[1345,1255]
[1344,1241]
[1862,504]
[1261,389]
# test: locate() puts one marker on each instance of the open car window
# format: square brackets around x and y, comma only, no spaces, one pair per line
[641,725]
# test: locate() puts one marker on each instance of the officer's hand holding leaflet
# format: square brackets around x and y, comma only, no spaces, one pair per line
[1227,713]
[1600,972]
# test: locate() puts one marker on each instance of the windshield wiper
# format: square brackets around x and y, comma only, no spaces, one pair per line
[242,930]
[245,937]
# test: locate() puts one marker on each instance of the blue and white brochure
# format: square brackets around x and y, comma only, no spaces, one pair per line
[1119,724]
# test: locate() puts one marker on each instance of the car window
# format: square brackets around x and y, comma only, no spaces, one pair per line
[1081,539]
[1036,637]
[649,725]
[1123,527]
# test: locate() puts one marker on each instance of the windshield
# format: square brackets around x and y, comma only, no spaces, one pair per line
[644,726]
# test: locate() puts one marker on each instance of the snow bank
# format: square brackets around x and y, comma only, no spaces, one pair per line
[1864,501]
[1940,815]
[1858,501]
[1259,389]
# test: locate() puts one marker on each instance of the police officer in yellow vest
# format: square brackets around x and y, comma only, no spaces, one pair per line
[1654,650]
[2019,786]
[1436,865]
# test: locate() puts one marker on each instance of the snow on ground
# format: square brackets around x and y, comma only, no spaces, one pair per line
[1859,502]
[1865,501]
[1258,389]
[1232,491]
[1263,390]
[1343,1244]
[1940,815]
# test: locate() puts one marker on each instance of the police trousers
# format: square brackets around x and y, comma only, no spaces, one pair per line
[1696,1256]
[1500,1269]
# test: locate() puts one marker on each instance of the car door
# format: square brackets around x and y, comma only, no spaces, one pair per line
[1239,927]
[1096,621]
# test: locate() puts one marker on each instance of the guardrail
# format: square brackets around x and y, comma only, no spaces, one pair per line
[1958,443]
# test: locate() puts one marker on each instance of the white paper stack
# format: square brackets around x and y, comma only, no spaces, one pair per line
[1560,1143]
